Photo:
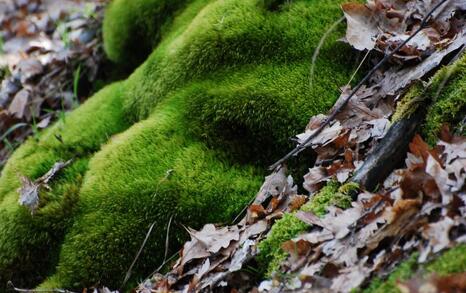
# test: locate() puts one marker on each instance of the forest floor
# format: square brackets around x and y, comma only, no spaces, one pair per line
[378,191]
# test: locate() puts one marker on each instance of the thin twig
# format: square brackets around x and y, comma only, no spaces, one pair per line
[345,101]
[319,46]
[12,287]
[128,273]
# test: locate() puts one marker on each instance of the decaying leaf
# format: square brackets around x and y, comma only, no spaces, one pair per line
[29,190]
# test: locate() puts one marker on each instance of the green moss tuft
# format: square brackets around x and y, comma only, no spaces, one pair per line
[444,99]
[271,253]
[451,261]
[331,194]
[449,99]
[410,102]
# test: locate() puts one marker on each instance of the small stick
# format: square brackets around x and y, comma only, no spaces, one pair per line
[338,109]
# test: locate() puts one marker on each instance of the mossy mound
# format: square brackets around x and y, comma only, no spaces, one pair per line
[227,82]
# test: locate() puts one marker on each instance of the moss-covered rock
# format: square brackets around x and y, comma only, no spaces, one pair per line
[225,86]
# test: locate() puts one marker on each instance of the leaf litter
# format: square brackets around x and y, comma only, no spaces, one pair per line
[44,45]
[421,207]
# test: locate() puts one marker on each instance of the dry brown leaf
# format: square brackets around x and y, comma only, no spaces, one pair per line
[361,28]
[214,239]
[29,190]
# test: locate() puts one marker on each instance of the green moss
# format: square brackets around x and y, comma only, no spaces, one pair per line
[271,252]
[444,100]
[173,176]
[451,261]
[133,28]
[449,99]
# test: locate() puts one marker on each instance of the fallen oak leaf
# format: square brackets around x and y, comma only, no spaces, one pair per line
[214,239]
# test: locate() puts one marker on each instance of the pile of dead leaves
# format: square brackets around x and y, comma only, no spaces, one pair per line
[46,48]
[421,208]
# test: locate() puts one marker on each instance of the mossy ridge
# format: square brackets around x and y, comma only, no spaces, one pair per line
[230,34]
[449,262]
[271,253]
[180,178]
[79,134]
[29,244]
